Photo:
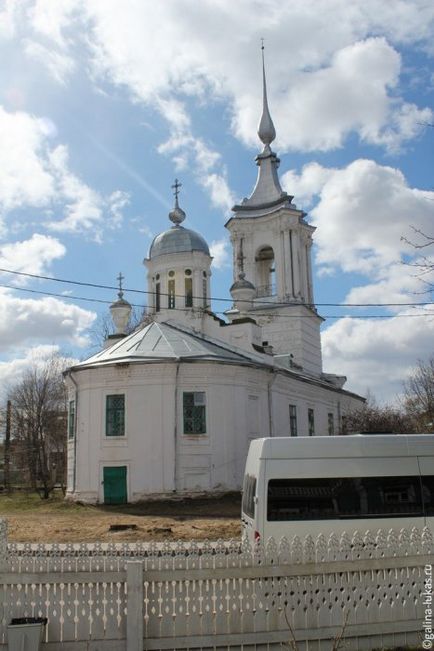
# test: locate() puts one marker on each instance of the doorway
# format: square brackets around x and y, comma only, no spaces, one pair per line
[115,484]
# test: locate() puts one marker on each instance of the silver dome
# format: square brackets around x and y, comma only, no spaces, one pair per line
[177,240]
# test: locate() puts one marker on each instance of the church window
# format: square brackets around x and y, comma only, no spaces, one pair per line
[293,420]
[265,272]
[194,412]
[157,297]
[311,421]
[188,282]
[171,293]
[188,272]
[115,415]
[331,424]
[71,419]
[205,290]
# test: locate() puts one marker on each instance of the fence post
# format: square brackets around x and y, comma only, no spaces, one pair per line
[3,544]
[134,606]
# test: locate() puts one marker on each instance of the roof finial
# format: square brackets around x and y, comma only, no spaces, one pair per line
[266,130]
[120,278]
[177,215]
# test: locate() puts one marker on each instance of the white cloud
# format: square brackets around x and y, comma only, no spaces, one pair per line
[13,370]
[190,152]
[57,63]
[83,208]
[35,173]
[221,254]
[377,355]
[30,256]
[315,99]
[7,20]
[308,184]
[398,283]
[25,179]
[27,321]
[313,95]
[116,202]
[52,19]
[364,211]
[220,193]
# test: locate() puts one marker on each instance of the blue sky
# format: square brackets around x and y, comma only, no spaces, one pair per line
[103,103]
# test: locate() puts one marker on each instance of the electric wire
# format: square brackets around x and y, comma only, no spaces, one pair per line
[213,298]
[257,313]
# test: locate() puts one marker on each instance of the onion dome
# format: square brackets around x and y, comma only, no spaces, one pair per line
[242,292]
[177,239]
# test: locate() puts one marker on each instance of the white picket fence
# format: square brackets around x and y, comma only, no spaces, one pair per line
[299,594]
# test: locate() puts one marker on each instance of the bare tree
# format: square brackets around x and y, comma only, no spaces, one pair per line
[38,430]
[379,419]
[423,264]
[104,325]
[419,396]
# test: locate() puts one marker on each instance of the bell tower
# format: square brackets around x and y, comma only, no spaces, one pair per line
[271,243]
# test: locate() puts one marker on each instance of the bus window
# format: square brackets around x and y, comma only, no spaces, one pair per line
[428,494]
[249,490]
[352,497]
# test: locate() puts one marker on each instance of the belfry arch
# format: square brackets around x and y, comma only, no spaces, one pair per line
[265,271]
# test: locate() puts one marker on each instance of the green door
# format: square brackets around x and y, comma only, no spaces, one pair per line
[115,484]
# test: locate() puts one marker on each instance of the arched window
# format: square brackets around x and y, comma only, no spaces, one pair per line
[171,291]
[265,272]
[157,296]
[157,293]
[205,290]
[188,287]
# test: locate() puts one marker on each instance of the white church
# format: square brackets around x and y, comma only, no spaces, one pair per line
[172,407]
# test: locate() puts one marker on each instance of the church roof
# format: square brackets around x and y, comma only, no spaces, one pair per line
[177,240]
[169,341]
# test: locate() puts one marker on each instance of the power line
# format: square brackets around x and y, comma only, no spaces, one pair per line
[213,298]
[64,296]
[180,309]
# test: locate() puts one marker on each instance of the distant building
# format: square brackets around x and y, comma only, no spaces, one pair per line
[172,407]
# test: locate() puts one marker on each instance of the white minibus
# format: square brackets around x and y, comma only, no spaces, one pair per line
[313,485]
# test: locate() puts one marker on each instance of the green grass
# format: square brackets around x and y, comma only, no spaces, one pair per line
[22,501]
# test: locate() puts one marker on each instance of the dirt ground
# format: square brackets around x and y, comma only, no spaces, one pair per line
[31,519]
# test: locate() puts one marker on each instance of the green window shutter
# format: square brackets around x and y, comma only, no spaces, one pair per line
[71,419]
[194,412]
[115,415]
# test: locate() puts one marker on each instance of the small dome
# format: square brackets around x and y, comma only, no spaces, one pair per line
[242,283]
[177,240]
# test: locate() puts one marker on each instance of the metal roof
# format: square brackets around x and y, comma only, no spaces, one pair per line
[177,240]
[160,341]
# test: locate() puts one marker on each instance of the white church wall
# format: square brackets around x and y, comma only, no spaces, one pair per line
[158,456]
[296,330]
[304,395]
[145,449]
[216,460]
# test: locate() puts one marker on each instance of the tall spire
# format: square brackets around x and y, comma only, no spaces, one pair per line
[268,192]
[266,130]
